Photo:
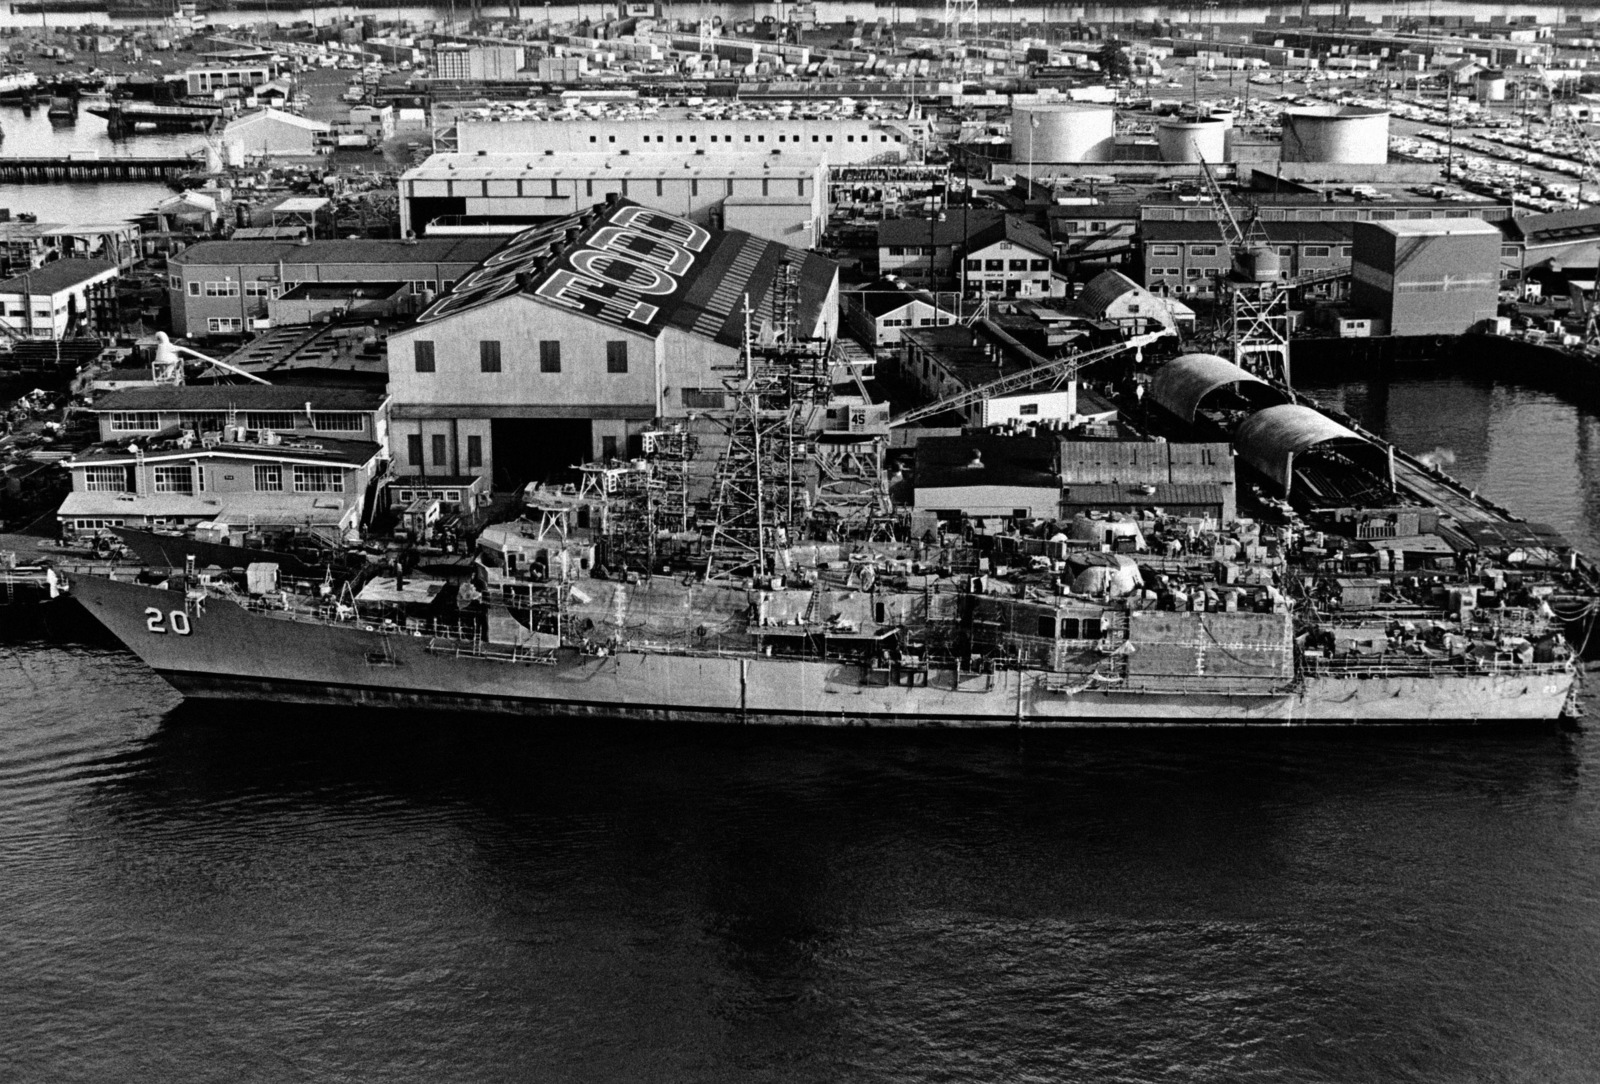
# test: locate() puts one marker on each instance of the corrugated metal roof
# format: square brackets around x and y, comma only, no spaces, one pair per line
[1124,462]
[1108,495]
[1103,290]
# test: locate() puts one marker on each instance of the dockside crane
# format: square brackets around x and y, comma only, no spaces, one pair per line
[1056,372]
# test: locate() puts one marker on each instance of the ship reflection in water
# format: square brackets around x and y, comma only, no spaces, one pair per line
[408,897]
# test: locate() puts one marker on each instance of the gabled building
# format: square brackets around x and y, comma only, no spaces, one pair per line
[923,250]
[876,313]
[1113,297]
[1010,258]
[573,336]
[272,132]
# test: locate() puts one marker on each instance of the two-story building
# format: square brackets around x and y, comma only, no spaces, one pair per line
[223,287]
[1011,258]
[59,298]
[574,336]
[246,457]
[923,250]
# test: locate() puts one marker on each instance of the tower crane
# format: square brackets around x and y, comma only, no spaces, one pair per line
[1254,294]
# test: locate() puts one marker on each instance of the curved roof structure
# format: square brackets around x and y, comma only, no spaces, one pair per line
[1182,383]
[1270,439]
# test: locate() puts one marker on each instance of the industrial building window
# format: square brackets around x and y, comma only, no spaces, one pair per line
[713,139]
[489,355]
[422,286]
[135,421]
[609,447]
[106,479]
[829,138]
[1164,250]
[1202,250]
[764,185]
[271,419]
[761,138]
[588,187]
[974,265]
[815,139]
[694,186]
[782,138]
[1317,251]
[255,289]
[194,289]
[678,139]
[1345,251]
[549,356]
[617,356]
[474,451]
[1019,265]
[1192,273]
[594,139]
[342,421]
[849,139]
[1047,622]
[747,139]
[423,352]
[611,139]
[994,265]
[217,324]
[661,187]
[318,480]
[703,398]
[175,479]
[800,187]
[222,289]
[1038,265]
[269,479]
[414,449]
[439,449]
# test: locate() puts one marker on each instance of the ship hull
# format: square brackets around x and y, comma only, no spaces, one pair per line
[229,653]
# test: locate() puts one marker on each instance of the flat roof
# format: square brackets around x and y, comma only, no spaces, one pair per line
[589,166]
[465,250]
[56,276]
[1436,227]
[242,396]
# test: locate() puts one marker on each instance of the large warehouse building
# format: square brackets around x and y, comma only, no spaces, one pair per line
[680,132]
[1426,276]
[781,199]
[575,335]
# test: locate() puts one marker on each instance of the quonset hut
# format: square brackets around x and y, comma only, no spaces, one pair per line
[1185,383]
[1307,454]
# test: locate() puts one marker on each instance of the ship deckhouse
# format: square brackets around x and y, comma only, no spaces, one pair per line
[577,333]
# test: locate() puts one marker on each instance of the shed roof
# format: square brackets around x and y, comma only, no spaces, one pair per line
[275,116]
[1182,383]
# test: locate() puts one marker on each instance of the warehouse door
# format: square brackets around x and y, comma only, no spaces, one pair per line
[537,450]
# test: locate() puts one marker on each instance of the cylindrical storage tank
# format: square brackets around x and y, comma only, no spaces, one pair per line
[1063,132]
[1344,134]
[1226,116]
[1491,86]
[1195,140]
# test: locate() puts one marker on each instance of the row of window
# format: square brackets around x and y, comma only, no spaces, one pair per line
[439,445]
[921,321]
[186,478]
[324,421]
[259,288]
[1314,252]
[222,325]
[426,358]
[1008,265]
[759,138]
[661,186]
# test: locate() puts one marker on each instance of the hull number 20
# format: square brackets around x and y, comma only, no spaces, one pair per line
[176,621]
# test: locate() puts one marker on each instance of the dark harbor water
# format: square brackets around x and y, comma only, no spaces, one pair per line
[254,894]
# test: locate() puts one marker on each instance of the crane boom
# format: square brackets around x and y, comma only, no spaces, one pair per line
[1059,369]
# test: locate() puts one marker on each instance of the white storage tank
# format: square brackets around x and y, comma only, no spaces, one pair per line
[1063,132]
[1343,134]
[1491,86]
[1192,139]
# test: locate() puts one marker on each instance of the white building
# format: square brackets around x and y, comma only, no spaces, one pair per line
[576,335]
[272,132]
[50,301]
[1114,297]
[780,199]
[876,313]
[678,132]
[1011,258]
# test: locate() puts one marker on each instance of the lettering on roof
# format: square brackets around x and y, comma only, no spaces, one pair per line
[629,270]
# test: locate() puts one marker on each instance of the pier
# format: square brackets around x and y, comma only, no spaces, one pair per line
[130,168]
